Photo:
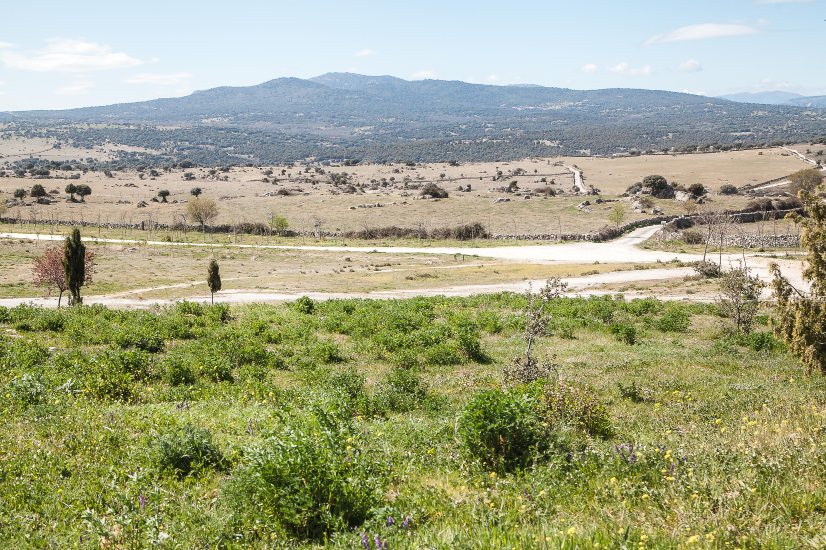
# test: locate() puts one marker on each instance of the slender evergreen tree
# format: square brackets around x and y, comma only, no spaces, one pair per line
[74,266]
[213,279]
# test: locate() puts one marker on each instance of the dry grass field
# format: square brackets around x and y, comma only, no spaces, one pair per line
[145,271]
[308,199]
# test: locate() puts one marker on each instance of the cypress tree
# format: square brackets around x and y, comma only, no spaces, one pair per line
[213,279]
[74,266]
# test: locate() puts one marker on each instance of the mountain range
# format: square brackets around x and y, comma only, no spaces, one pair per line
[381,118]
[777,98]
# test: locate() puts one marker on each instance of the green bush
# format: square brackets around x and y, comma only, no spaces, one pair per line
[138,337]
[502,430]
[304,305]
[177,371]
[114,374]
[577,407]
[309,481]
[625,333]
[21,356]
[675,318]
[186,451]
[401,391]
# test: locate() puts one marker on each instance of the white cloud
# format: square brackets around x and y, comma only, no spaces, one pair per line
[170,79]
[493,78]
[701,32]
[76,88]
[695,92]
[625,68]
[691,66]
[421,75]
[68,55]
[590,68]
[6,45]
[366,52]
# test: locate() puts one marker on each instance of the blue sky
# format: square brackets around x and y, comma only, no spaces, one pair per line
[65,54]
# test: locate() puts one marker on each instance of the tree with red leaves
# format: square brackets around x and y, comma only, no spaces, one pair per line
[48,270]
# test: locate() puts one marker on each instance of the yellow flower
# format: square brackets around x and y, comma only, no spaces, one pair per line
[693,539]
[710,537]
[571,531]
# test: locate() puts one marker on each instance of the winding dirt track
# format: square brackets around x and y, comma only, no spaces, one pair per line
[622,250]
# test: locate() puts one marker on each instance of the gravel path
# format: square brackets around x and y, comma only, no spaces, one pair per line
[622,250]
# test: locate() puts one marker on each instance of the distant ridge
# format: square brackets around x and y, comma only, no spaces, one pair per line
[379,118]
[767,98]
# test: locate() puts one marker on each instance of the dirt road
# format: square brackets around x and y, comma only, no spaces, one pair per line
[623,250]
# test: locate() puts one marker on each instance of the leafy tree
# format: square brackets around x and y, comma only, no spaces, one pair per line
[37,191]
[617,214]
[163,193]
[196,192]
[213,279]
[48,270]
[84,191]
[740,297]
[203,211]
[71,189]
[279,224]
[74,266]
[800,318]
[807,180]
[20,193]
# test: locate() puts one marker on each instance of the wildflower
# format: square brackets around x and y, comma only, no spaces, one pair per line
[710,537]
[380,545]
[390,521]
[571,531]
[142,501]
[365,542]
[693,539]
[406,522]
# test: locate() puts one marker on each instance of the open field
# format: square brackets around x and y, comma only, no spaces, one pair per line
[687,437]
[152,272]
[311,201]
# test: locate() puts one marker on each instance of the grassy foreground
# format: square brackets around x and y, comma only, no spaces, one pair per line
[384,424]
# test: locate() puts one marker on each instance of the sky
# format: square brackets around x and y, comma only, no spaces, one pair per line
[59,54]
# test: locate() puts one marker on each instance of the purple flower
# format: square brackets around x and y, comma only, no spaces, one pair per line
[379,544]
[365,542]
[390,521]
[406,522]
[142,501]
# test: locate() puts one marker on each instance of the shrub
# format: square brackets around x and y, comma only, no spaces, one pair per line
[189,450]
[708,270]
[304,305]
[114,374]
[577,407]
[502,430]
[401,391]
[29,389]
[308,481]
[138,337]
[728,189]
[762,341]
[693,237]
[624,333]
[675,318]
[177,371]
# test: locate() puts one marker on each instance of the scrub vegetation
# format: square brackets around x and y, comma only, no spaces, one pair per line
[391,424]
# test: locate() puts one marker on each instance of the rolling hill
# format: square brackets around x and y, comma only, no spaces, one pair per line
[378,118]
